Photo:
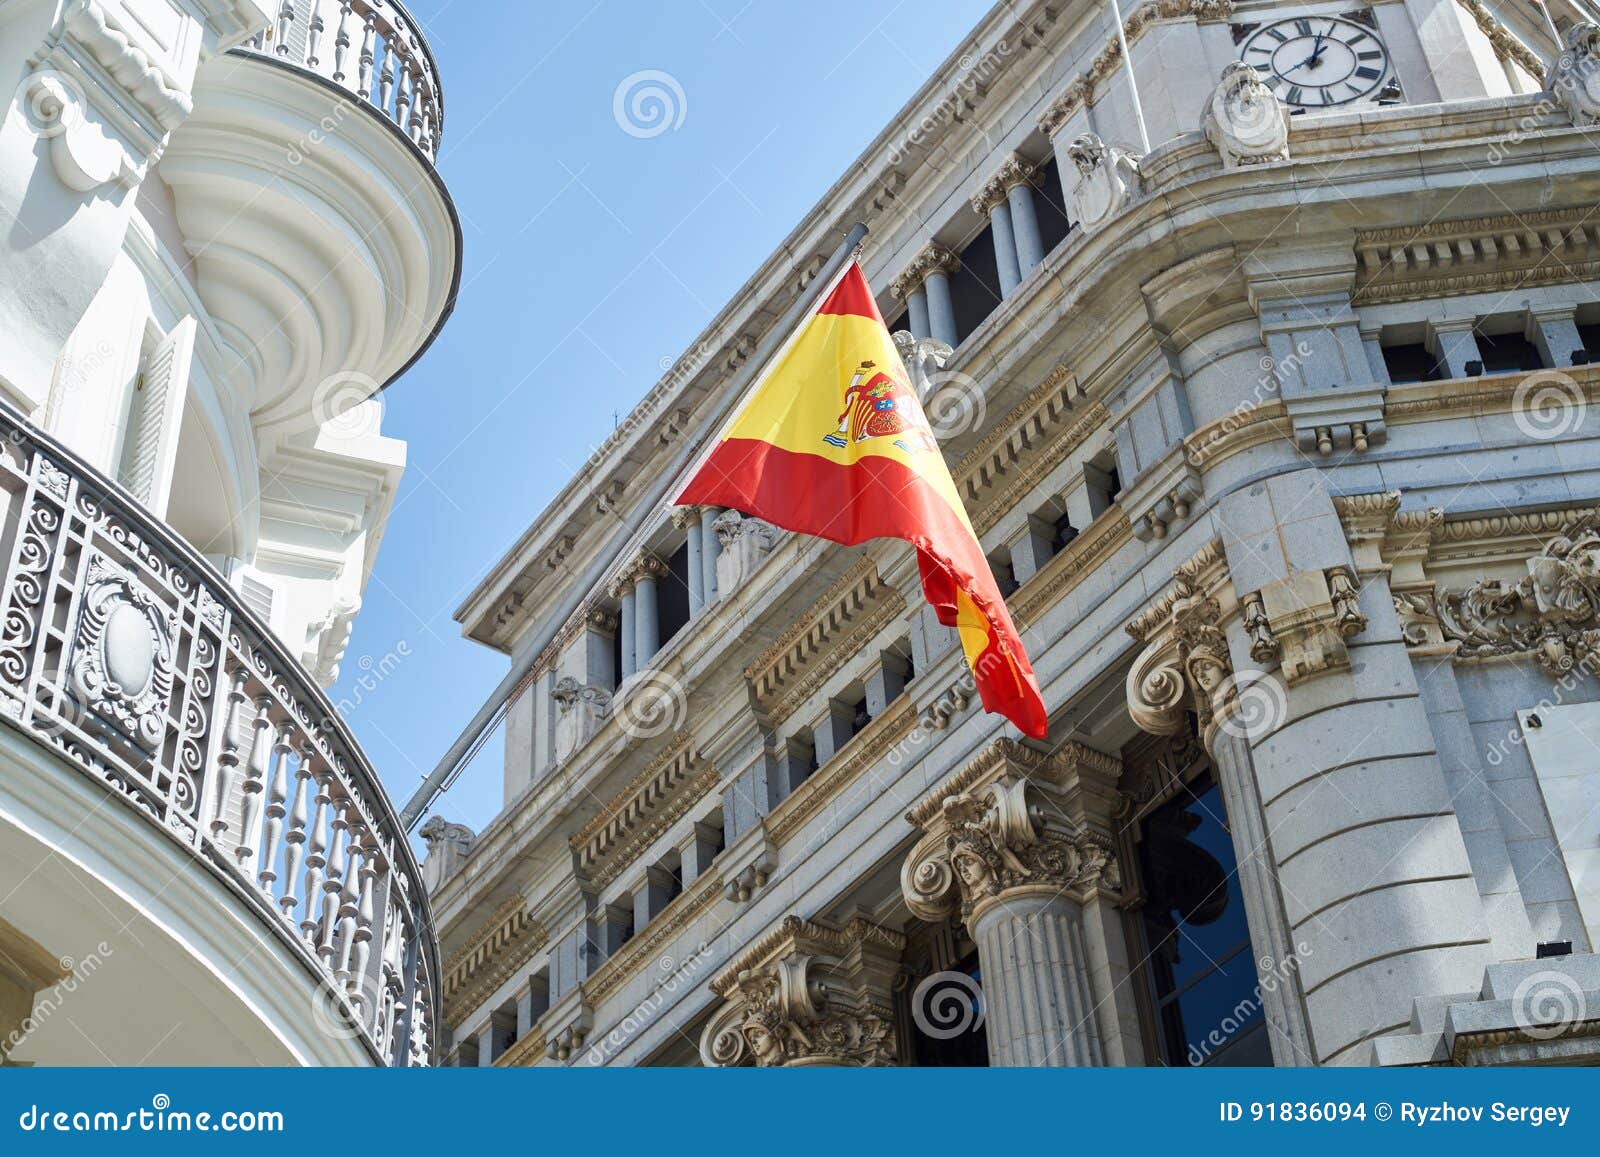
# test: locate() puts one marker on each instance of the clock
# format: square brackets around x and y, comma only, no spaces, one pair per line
[1315,62]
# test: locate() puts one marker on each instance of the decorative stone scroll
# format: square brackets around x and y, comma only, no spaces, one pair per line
[122,654]
[1185,666]
[806,994]
[1244,120]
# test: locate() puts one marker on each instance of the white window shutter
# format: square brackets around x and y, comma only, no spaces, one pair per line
[150,450]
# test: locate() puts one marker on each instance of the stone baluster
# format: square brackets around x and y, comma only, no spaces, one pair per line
[333,884]
[369,34]
[349,896]
[365,908]
[402,99]
[419,106]
[1016,854]
[277,809]
[234,737]
[255,785]
[316,851]
[285,21]
[386,77]
[990,201]
[314,38]
[341,42]
[294,840]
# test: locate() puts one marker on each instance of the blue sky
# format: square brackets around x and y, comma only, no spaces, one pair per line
[593,259]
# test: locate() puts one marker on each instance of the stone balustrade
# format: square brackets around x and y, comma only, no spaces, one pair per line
[374,49]
[125,655]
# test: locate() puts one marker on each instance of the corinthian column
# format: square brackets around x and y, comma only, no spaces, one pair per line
[1014,846]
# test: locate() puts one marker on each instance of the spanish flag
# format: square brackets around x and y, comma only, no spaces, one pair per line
[833,443]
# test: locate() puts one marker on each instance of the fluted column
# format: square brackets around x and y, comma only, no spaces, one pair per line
[1036,981]
[1014,845]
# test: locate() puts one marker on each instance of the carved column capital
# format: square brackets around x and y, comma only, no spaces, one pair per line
[1012,172]
[685,516]
[807,994]
[1076,95]
[933,258]
[1012,821]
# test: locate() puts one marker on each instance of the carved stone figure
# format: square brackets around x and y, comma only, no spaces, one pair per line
[924,357]
[1574,76]
[1244,120]
[580,710]
[1108,178]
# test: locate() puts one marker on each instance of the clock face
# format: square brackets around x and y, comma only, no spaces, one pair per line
[1317,61]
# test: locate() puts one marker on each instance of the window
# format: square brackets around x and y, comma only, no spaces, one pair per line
[1591,341]
[942,1005]
[1411,363]
[975,287]
[672,594]
[1201,971]
[1063,532]
[1507,353]
[854,709]
[901,321]
[1005,577]
[1050,206]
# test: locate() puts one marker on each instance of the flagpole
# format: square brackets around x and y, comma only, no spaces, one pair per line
[494,708]
[1133,85]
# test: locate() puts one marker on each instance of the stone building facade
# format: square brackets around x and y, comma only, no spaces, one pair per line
[1279,434]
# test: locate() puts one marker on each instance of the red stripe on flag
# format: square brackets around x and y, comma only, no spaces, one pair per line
[880,497]
[852,295]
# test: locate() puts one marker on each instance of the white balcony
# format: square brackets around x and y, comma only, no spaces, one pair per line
[181,803]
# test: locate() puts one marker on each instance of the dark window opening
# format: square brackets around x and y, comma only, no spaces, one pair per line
[1050,206]
[975,287]
[1005,576]
[954,1010]
[616,654]
[672,595]
[901,321]
[1062,532]
[674,869]
[1412,363]
[1507,353]
[1103,481]
[855,705]
[1590,335]
[1202,972]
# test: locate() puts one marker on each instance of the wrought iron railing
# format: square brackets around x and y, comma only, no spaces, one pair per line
[132,659]
[372,48]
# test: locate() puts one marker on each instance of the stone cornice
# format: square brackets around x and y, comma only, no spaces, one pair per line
[1496,394]
[636,817]
[506,942]
[794,930]
[1005,756]
[1507,48]
[1244,428]
[1477,255]
[824,638]
[1026,429]
[1001,460]
[525,1053]
[1189,575]
[824,784]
